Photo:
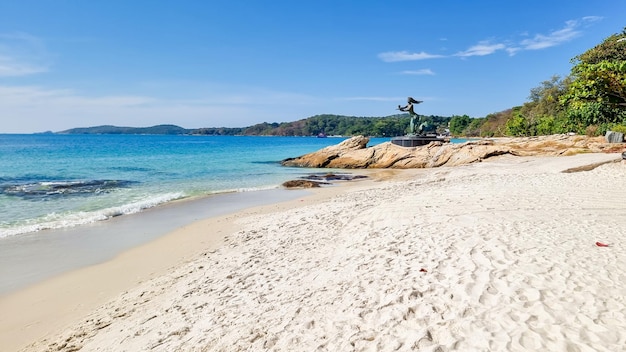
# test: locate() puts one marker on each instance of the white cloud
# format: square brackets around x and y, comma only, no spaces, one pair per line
[34,109]
[512,50]
[395,56]
[590,19]
[34,96]
[541,41]
[425,71]
[481,49]
[12,67]
[21,54]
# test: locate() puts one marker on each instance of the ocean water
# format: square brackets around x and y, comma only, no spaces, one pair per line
[50,181]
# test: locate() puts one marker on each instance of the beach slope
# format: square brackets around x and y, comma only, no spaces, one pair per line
[498,255]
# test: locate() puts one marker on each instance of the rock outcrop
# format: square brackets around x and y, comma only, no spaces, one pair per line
[353,153]
[303,184]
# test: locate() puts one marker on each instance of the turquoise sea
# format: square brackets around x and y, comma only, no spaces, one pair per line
[53,181]
[66,200]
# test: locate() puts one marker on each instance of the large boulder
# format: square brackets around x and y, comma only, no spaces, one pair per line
[353,153]
[324,156]
[614,137]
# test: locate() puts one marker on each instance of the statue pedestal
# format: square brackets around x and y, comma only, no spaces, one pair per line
[416,141]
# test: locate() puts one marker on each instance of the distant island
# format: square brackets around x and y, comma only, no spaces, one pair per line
[328,125]
[108,129]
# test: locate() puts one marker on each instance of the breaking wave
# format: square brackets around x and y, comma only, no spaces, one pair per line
[43,189]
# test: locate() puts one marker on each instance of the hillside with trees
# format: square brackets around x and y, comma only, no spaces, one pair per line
[108,129]
[338,125]
[591,100]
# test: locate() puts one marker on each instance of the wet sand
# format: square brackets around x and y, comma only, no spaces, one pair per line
[30,258]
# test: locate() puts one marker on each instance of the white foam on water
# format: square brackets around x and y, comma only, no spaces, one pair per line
[65,220]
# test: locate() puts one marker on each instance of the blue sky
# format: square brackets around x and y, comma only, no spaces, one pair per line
[75,63]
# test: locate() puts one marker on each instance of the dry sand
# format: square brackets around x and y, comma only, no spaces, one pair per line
[493,256]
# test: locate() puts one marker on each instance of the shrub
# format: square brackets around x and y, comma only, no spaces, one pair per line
[618,128]
[591,130]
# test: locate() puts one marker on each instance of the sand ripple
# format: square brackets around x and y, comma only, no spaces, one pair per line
[497,256]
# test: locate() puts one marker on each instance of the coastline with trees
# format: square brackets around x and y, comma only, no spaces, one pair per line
[590,100]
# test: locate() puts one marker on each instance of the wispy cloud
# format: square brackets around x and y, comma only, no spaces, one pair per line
[590,19]
[395,56]
[481,49]
[13,67]
[425,71]
[36,108]
[37,96]
[554,38]
[570,30]
[21,54]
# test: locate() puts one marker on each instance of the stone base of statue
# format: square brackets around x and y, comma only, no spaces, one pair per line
[417,140]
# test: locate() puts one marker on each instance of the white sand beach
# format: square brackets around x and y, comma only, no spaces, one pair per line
[492,256]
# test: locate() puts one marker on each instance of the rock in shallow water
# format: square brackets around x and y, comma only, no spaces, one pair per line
[303,184]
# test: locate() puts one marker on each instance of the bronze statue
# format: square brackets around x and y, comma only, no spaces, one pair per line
[423,127]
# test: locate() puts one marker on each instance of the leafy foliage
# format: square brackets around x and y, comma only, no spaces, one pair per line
[592,99]
[458,124]
[544,100]
[597,93]
[611,49]
[495,124]
[390,126]
[517,125]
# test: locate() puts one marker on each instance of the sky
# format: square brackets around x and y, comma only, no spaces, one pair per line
[229,63]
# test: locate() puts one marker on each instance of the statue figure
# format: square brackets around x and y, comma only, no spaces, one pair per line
[423,127]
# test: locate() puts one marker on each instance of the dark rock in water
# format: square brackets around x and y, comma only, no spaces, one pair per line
[42,189]
[624,156]
[303,184]
[316,180]
[333,177]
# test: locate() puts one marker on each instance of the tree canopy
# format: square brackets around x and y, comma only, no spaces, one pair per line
[592,99]
[338,125]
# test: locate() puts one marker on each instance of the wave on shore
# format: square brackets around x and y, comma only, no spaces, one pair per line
[42,189]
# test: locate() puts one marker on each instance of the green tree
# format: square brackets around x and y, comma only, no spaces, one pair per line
[544,101]
[474,129]
[517,125]
[597,93]
[458,124]
[611,49]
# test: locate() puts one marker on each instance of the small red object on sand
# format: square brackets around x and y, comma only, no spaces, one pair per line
[422,270]
[600,244]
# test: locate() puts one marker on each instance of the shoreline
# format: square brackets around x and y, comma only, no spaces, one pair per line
[34,309]
[430,257]
[33,257]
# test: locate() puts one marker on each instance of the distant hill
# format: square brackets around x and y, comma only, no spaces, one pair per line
[107,129]
[326,124]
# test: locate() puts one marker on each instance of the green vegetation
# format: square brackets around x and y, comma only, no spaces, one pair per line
[107,129]
[591,100]
[394,125]
[327,124]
